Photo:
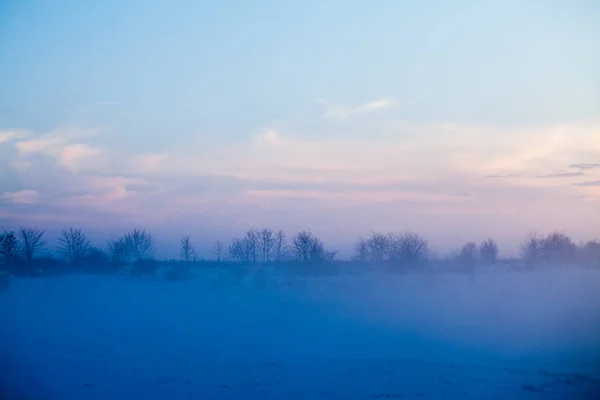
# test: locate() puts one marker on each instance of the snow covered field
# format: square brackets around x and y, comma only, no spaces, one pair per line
[271,336]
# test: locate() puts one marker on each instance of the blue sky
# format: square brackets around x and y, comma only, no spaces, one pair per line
[457,119]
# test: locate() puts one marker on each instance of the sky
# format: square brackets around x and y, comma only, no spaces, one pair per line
[456,120]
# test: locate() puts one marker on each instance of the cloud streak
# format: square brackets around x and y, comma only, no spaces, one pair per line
[73,156]
[562,175]
[8,136]
[588,184]
[585,166]
[25,196]
[342,112]
[501,176]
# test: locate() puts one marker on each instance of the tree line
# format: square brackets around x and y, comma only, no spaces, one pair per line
[28,249]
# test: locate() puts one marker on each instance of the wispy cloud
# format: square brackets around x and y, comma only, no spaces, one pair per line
[275,154]
[8,136]
[562,175]
[588,184]
[74,155]
[43,144]
[25,196]
[103,192]
[375,105]
[67,147]
[148,163]
[501,176]
[341,112]
[585,166]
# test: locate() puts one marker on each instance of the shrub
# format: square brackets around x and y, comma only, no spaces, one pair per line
[144,267]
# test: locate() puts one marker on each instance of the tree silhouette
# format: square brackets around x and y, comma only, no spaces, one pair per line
[251,248]
[280,245]
[140,244]
[266,243]
[74,245]
[378,246]
[361,250]
[32,241]
[9,245]
[117,249]
[488,250]
[590,254]
[554,249]
[558,249]
[308,248]
[238,250]
[218,250]
[468,256]
[409,249]
[186,251]
[531,250]
[251,245]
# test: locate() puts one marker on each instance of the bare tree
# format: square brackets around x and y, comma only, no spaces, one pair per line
[117,249]
[74,245]
[301,245]
[280,245]
[187,251]
[140,244]
[361,250]
[467,259]
[32,241]
[317,250]
[308,248]
[468,255]
[488,250]
[218,250]
[9,245]
[238,250]
[246,250]
[589,254]
[531,250]
[378,246]
[266,243]
[408,248]
[391,247]
[251,244]
[558,249]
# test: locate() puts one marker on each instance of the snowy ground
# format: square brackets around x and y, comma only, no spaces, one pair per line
[367,336]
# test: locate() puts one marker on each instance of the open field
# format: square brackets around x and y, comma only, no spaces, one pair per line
[269,335]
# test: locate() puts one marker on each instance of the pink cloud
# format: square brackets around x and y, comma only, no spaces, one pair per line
[26,196]
[394,175]
[73,156]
